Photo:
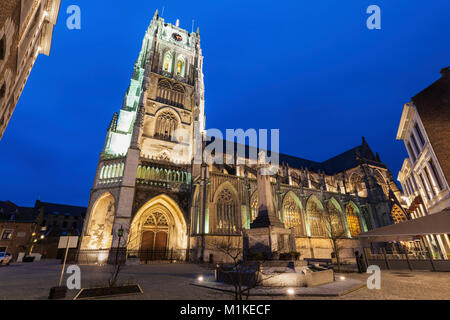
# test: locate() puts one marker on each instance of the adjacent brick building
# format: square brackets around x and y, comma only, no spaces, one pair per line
[425,129]
[37,229]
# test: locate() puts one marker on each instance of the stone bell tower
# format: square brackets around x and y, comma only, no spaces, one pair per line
[149,144]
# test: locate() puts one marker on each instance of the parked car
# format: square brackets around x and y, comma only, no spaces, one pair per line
[5,258]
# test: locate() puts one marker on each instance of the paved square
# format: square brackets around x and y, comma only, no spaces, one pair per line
[173,282]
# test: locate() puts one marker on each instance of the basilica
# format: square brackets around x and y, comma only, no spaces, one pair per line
[164,202]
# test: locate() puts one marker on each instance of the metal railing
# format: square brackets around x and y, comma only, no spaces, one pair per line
[105,256]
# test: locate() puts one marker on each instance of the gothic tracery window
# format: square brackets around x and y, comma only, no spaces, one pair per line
[167,62]
[292,216]
[166,124]
[156,220]
[226,212]
[173,95]
[352,220]
[335,219]
[180,67]
[314,213]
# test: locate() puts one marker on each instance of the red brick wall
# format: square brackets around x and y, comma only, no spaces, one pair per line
[17,243]
[433,105]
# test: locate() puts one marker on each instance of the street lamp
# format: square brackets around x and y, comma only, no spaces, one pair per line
[120,234]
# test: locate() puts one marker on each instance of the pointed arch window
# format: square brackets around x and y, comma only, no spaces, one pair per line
[292,216]
[352,220]
[167,62]
[181,67]
[226,211]
[315,221]
[168,94]
[335,220]
[166,124]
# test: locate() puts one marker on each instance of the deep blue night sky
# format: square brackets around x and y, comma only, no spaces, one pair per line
[310,68]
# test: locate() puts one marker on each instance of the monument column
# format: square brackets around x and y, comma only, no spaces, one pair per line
[267,234]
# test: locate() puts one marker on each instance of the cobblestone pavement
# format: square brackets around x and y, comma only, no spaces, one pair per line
[172,281]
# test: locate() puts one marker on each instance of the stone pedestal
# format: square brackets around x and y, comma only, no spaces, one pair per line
[268,241]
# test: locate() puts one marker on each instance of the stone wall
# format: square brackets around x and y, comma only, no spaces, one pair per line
[321,248]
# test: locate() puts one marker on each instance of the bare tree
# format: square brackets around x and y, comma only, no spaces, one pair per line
[118,262]
[336,232]
[244,275]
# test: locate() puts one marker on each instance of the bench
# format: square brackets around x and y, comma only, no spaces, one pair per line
[321,262]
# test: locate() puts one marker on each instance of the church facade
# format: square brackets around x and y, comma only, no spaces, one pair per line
[164,202]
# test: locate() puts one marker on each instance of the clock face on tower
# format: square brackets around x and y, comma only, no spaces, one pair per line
[177,37]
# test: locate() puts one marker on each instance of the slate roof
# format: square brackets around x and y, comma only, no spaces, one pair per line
[9,211]
[342,162]
[61,209]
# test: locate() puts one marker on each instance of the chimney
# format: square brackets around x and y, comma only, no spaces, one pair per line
[178,23]
[445,72]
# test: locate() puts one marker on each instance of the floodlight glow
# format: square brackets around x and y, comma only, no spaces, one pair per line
[200,278]
[290,291]
[342,278]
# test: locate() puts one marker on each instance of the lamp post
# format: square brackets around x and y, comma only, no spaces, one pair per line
[120,234]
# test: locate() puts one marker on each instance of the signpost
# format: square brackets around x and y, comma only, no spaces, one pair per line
[66,242]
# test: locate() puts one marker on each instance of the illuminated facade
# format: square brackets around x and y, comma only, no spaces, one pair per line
[147,186]
[424,129]
[26,29]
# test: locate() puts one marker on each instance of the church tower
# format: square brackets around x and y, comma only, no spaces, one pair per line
[143,178]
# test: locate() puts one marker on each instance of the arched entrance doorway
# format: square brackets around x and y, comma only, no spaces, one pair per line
[155,236]
[158,230]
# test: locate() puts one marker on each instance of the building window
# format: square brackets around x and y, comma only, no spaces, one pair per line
[292,215]
[167,62]
[7,234]
[414,183]
[419,134]
[226,211]
[352,221]
[430,182]
[411,189]
[425,188]
[168,94]
[435,173]
[411,153]
[397,214]
[314,213]
[166,124]
[405,187]
[416,146]
[334,221]
[181,67]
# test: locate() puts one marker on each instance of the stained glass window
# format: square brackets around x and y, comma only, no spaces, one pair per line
[352,220]
[292,215]
[314,213]
[226,211]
